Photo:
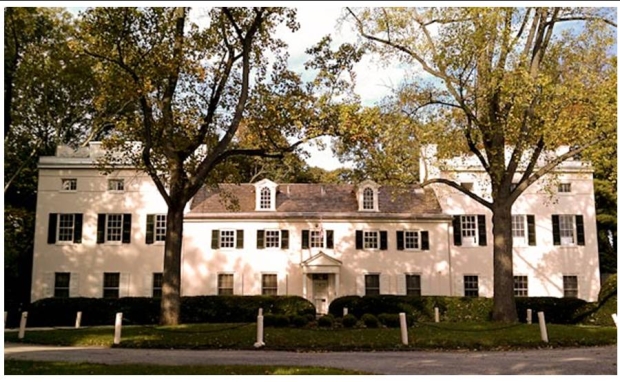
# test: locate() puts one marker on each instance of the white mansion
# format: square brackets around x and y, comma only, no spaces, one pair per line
[102,235]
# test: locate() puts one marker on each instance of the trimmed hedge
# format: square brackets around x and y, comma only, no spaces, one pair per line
[326,321]
[146,310]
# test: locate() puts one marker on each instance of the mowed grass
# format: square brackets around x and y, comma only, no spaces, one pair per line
[12,367]
[480,336]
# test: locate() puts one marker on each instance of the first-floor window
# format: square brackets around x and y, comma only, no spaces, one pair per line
[414,286]
[111,284]
[372,285]
[61,284]
[158,281]
[471,286]
[225,284]
[520,286]
[571,287]
[270,285]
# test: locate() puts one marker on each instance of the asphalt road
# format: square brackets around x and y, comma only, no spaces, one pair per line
[573,361]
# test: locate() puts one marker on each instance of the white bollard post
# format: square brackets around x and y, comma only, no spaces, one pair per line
[117,328]
[436,314]
[403,329]
[345,311]
[543,327]
[260,311]
[22,325]
[78,320]
[529,316]
[259,333]
[615,318]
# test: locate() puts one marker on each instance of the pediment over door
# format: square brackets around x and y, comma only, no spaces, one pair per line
[321,263]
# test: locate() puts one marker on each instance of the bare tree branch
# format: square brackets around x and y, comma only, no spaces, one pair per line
[457,186]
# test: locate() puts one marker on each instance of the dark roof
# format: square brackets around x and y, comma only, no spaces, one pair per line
[313,198]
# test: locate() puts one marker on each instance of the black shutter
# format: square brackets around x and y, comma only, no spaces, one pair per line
[384,240]
[100,228]
[260,239]
[400,240]
[456,225]
[126,228]
[330,239]
[51,229]
[555,222]
[531,230]
[239,239]
[581,237]
[425,242]
[150,229]
[359,239]
[482,230]
[215,239]
[284,244]
[305,239]
[77,232]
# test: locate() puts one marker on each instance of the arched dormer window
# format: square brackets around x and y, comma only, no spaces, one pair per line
[368,202]
[265,198]
[265,191]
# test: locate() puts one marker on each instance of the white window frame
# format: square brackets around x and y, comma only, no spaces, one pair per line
[316,238]
[568,230]
[67,228]
[221,287]
[521,287]
[108,229]
[565,188]
[159,231]
[116,185]
[71,182]
[270,288]
[265,198]
[230,241]
[270,234]
[410,238]
[469,230]
[576,289]
[367,239]
[517,227]
[368,199]
[467,286]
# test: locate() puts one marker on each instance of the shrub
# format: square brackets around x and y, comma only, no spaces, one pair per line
[599,313]
[326,321]
[349,321]
[370,320]
[557,310]
[276,320]
[299,321]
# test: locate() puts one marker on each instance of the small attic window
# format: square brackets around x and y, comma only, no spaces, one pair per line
[265,198]
[368,202]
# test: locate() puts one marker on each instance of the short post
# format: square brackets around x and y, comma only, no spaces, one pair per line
[259,333]
[436,314]
[345,311]
[260,311]
[613,316]
[543,326]
[22,325]
[529,316]
[117,328]
[403,329]
[78,320]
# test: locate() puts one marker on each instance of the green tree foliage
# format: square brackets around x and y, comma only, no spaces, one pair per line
[506,85]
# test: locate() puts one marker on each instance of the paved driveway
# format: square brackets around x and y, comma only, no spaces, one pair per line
[594,360]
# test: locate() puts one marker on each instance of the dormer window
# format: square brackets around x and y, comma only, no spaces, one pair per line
[369,200]
[368,196]
[265,195]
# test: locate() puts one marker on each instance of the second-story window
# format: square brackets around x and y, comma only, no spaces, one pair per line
[69,184]
[368,202]
[116,185]
[265,198]
[114,228]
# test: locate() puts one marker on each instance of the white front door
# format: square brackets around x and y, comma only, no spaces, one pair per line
[320,289]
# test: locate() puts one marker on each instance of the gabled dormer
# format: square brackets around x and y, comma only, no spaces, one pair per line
[265,195]
[368,196]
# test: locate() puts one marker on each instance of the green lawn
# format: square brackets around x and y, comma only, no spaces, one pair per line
[12,367]
[236,336]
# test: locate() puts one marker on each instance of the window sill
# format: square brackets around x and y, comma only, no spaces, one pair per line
[65,243]
[113,243]
[67,191]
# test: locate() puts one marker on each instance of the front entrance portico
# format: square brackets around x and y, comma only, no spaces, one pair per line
[323,272]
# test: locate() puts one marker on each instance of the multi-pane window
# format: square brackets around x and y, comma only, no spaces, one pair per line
[114,227]
[316,239]
[371,239]
[520,286]
[571,286]
[61,284]
[265,198]
[411,239]
[116,185]
[469,228]
[518,226]
[272,239]
[111,284]
[372,285]
[270,284]
[160,227]
[413,284]
[69,184]
[368,201]
[567,232]
[66,225]
[471,286]
[227,239]
[158,281]
[225,284]
[564,187]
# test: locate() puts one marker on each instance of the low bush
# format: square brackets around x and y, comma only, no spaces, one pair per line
[299,321]
[370,320]
[276,320]
[326,321]
[349,321]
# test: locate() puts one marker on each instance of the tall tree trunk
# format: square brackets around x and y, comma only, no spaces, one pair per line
[504,308]
[171,288]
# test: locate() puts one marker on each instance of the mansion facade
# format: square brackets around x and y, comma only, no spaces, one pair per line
[102,235]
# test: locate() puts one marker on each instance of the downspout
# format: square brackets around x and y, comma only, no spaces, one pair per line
[449,258]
